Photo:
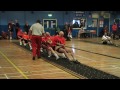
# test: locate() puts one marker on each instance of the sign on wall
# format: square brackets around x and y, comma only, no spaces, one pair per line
[95,15]
[49,23]
[79,13]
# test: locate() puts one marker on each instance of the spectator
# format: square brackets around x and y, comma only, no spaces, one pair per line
[26,27]
[11,28]
[114,29]
[17,26]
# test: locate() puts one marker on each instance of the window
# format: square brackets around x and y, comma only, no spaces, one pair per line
[77,23]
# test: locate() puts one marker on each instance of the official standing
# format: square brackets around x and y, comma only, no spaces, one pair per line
[114,29]
[26,27]
[17,26]
[36,30]
[11,28]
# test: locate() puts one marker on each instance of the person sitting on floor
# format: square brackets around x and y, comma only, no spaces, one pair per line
[59,42]
[49,45]
[26,40]
[4,35]
[106,39]
[19,35]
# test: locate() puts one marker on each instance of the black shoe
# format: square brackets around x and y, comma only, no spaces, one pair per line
[71,62]
[76,62]
[39,57]
[33,58]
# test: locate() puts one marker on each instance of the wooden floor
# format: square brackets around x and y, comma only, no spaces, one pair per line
[17,63]
[107,60]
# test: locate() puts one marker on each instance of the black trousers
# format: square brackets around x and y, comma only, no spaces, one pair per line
[16,33]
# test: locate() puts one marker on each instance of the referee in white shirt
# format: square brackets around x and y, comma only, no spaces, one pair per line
[36,30]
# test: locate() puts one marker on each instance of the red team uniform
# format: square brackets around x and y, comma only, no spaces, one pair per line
[25,38]
[59,39]
[20,33]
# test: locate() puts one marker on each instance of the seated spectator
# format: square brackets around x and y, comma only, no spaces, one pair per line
[106,39]
[19,35]
[4,35]
[80,32]
[26,40]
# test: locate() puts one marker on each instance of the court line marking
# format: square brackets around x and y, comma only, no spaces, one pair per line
[6,76]
[43,64]
[36,71]
[32,72]
[13,73]
[2,77]
[86,58]
[16,76]
[38,75]
[114,66]
[92,52]
[14,65]
[41,74]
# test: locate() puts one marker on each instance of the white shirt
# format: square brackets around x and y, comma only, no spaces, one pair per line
[37,29]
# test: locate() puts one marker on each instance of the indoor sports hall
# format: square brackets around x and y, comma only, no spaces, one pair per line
[92,36]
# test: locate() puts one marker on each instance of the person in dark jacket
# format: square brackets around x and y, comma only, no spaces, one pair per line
[66,28]
[11,28]
[26,27]
[17,25]
[114,29]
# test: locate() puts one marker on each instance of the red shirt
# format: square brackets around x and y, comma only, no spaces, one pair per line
[26,37]
[43,40]
[114,27]
[4,34]
[20,33]
[105,31]
[58,39]
[50,38]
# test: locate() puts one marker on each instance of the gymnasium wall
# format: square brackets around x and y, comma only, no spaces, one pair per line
[32,16]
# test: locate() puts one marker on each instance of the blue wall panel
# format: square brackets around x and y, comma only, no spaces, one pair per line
[61,16]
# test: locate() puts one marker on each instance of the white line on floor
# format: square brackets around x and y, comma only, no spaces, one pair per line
[13,73]
[115,66]
[6,76]
[86,58]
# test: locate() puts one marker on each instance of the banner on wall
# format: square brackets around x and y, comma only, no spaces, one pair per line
[106,15]
[95,15]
